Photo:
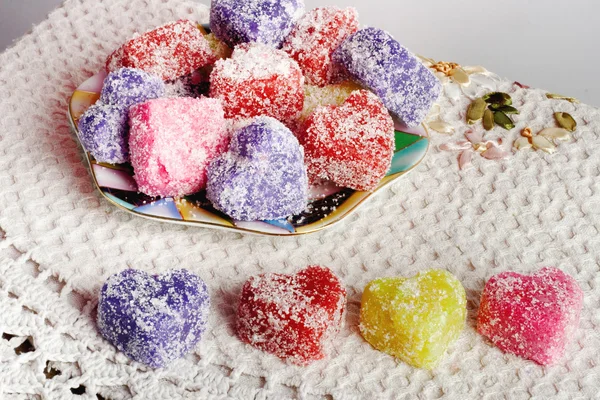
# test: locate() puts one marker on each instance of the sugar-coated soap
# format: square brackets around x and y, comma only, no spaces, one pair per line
[153,319]
[128,86]
[104,132]
[378,62]
[258,80]
[262,176]
[351,145]
[532,316]
[414,319]
[315,36]
[295,317]
[169,51]
[262,21]
[172,141]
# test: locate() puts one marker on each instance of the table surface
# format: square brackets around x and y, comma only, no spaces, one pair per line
[545,45]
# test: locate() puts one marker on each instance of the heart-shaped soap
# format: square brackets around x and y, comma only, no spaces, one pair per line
[414,319]
[258,80]
[103,130]
[532,316]
[294,317]
[172,140]
[352,144]
[169,51]
[153,319]
[262,176]
[262,21]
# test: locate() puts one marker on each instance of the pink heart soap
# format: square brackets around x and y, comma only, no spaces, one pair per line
[532,316]
[172,141]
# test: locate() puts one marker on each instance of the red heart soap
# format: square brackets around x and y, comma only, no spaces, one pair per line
[292,316]
[314,38]
[352,144]
[258,80]
[531,316]
[169,51]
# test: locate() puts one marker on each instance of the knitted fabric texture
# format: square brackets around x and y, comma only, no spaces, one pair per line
[60,240]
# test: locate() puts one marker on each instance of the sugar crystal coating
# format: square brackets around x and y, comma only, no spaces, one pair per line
[128,86]
[153,319]
[262,21]
[294,317]
[169,51]
[352,144]
[414,319]
[314,38]
[262,176]
[104,132]
[378,62]
[258,80]
[172,141]
[531,316]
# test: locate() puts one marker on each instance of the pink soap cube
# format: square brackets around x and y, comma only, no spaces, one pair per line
[532,316]
[172,141]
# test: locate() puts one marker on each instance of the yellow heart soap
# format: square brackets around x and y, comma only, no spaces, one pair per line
[414,319]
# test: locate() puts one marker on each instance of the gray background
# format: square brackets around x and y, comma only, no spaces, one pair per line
[548,44]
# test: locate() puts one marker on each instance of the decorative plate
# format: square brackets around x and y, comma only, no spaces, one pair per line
[329,203]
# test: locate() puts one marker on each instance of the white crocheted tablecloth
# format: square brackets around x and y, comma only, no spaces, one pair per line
[60,240]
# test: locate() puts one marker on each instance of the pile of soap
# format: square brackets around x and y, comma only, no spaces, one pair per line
[316,84]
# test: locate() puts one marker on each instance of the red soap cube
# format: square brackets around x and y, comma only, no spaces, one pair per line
[314,38]
[258,80]
[352,144]
[169,51]
[292,316]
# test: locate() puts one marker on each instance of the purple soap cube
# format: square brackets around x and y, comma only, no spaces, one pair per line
[263,21]
[153,319]
[377,61]
[262,176]
[128,86]
[104,132]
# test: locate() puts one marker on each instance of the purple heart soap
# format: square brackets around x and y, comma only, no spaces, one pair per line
[153,319]
[378,62]
[128,86]
[263,21]
[262,176]
[104,131]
